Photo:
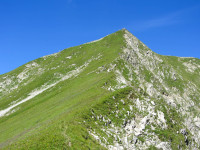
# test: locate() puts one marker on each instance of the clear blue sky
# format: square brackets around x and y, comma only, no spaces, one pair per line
[33,28]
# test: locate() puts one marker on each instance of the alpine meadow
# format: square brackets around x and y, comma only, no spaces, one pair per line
[113,93]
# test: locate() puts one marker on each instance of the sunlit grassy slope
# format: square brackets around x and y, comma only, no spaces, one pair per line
[45,118]
[80,81]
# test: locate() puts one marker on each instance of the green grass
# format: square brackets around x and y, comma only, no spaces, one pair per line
[61,116]
[174,123]
[44,112]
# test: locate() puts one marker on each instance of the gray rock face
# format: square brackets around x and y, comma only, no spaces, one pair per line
[166,103]
[152,62]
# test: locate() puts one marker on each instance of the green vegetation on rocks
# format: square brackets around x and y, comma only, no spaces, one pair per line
[113,93]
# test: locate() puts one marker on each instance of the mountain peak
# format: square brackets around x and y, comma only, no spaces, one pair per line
[113,93]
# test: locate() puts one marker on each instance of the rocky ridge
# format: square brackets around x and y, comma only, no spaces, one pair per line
[146,100]
[142,62]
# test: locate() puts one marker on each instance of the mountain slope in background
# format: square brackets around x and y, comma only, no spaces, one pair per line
[113,93]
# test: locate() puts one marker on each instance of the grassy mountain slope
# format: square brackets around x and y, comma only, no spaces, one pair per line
[114,93]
